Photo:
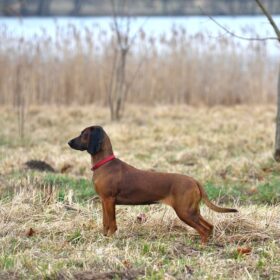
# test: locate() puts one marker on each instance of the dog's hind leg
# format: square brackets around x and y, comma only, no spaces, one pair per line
[195,221]
[205,223]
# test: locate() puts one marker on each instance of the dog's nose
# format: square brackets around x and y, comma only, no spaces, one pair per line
[70,143]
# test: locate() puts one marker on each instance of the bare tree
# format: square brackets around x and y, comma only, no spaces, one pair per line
[119,87]
[277,133]
[117,90]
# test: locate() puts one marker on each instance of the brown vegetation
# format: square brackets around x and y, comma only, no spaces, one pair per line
[180,69]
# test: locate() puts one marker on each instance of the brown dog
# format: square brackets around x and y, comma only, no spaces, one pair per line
[118,183]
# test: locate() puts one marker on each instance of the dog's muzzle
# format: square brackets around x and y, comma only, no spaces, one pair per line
[74,144]
[71,143]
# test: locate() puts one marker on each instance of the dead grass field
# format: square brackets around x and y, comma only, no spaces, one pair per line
[228,149]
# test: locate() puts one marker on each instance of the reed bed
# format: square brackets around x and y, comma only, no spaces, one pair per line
[75,67]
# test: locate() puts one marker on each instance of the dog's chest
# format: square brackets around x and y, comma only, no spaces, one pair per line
[96,185]
[102,187]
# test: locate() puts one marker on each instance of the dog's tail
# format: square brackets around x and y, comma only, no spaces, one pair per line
[211,205]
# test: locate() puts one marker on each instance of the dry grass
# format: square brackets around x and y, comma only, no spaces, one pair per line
[229,148]
[66,242]
[205,142]
[75,68]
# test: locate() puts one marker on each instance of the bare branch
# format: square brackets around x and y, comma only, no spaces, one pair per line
[116,25]
[270,19]
[236,35]
[118,86]
[137,32]
[125,41]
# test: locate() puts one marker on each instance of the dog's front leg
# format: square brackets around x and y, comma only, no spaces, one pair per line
[105,220]
[110,213]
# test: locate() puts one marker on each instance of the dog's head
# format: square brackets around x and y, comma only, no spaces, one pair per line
[90,139]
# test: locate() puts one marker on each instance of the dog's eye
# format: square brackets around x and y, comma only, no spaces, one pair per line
[85,135]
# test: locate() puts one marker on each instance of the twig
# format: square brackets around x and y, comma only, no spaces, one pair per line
[270,19]
[137,31]
[236,35]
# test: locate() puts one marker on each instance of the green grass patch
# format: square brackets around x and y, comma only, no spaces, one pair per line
[75,237]
[6,262]
[14,142]
[267,192]
[214,192]
[3,141]
[82,188]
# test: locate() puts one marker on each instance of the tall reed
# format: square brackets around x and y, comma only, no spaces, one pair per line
[75,68]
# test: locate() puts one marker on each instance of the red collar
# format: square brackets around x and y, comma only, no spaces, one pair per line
[103,161]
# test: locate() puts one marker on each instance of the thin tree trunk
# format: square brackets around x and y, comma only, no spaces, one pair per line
[277,134]
[117,89]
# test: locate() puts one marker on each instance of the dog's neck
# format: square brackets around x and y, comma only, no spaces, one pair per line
[106,151]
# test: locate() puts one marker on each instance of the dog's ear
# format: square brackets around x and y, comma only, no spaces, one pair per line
[95,140]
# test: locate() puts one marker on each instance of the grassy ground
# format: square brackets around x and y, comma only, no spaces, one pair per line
[50,223]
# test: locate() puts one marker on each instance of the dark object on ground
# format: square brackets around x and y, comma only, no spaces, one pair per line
[39,165]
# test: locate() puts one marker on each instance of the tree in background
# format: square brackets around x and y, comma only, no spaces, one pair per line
[117,90]
[119,86]
[277,133]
